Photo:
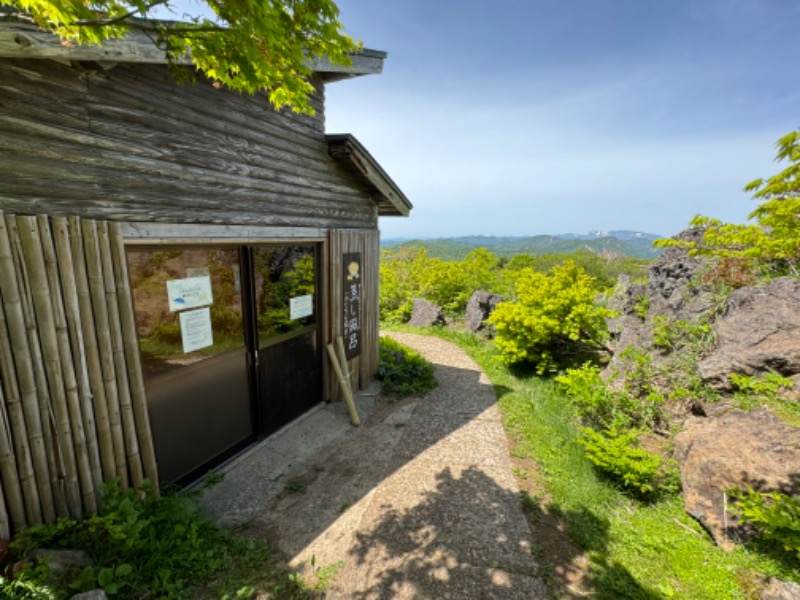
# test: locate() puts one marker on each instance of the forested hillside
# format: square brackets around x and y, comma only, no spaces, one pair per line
[605,243]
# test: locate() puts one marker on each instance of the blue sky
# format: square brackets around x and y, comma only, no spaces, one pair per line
[550,116]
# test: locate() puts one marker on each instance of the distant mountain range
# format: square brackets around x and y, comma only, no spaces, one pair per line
[621,243]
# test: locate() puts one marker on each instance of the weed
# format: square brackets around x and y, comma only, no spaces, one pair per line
[296,486]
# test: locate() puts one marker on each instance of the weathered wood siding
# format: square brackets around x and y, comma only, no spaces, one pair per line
[364,367]
[72,407]
[130,144]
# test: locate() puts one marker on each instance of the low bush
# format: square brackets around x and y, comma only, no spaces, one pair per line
[617,455]
[602,408]
[403,371]
[775,515]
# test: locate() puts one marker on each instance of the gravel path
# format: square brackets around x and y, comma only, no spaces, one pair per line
[420,502]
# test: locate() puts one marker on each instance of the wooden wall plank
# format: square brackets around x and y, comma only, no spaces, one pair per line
[135,146]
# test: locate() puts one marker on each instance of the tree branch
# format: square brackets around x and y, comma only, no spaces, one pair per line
[121,18]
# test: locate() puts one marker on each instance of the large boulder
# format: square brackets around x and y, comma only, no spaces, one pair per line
[480,306]
[781,590]
[734,449]
[758,332]
[426,314]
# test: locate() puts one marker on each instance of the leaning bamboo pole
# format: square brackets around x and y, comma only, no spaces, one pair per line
[46,328]
[132,357]
[41,504]
[69,377]
[72,315]
[348,396]
[90,346]
[10,478]
[100,309]
[134,459]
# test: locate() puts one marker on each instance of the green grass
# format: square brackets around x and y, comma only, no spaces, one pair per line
[637,550]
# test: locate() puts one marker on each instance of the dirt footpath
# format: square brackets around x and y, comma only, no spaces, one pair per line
[419,502]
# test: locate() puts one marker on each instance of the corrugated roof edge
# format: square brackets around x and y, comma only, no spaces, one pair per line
[391,200]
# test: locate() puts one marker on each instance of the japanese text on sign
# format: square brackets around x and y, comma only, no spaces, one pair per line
[351,309]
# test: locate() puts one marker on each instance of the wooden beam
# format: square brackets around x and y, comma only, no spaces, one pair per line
[19,39]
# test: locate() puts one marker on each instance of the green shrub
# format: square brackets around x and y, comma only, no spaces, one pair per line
[554,315]
[775,515]
[771,245]
[403,371]
[637,470]
[141,546]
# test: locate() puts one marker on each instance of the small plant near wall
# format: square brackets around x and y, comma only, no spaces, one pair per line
[403,371]
[143,546]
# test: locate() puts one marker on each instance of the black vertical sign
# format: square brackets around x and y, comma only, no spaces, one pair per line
[351,314]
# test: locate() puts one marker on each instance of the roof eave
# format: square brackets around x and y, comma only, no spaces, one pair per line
[391,201]
[21,38]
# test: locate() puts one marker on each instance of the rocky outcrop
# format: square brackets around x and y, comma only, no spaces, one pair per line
[480,306]
[758,332]
[674,290]
[781,590]
[735,449]
[426,314]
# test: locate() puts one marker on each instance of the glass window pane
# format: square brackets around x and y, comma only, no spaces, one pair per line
[188,305]
[284,289]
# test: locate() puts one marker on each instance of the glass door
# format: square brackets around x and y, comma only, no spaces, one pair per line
[286,301]
[191,325]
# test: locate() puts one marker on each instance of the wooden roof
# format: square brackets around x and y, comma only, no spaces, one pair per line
[390,199]
[21,38]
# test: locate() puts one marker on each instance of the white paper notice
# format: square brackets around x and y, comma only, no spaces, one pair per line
[300,307]
[189,293]
[196,329]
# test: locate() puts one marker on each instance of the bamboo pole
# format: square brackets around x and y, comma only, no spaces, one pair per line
[72,315]
[132,358]
[46,328]
[5,524]
[69,377]
[100,312]
[40,504]
[134,459]
[9,474]
[90,346]
[343,362]
[351,407]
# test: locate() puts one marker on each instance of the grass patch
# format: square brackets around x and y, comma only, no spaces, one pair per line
[636,550]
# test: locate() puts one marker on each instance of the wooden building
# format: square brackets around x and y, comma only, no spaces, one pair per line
[174,259]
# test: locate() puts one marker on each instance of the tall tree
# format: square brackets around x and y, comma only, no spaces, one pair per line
[249,45]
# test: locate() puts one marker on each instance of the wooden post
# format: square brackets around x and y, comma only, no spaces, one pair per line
[348,397]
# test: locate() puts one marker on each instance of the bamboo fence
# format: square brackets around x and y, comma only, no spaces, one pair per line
[72,406]
[363,367]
